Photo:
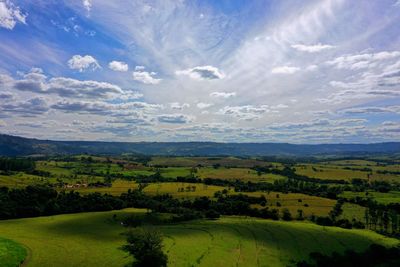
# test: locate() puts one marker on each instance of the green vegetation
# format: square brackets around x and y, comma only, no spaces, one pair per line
[11,253]
[198,204]
[94,239]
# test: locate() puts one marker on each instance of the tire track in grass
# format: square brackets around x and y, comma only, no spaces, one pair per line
[275,242]
[248,225]
[231,228]
[212,238]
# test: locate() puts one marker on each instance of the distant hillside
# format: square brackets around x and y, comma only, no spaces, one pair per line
[20,146]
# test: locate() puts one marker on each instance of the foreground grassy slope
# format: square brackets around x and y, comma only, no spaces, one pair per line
[93,239]
[11,253]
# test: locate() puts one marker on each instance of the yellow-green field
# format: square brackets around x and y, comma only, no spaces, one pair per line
[244,174]
[210,161]
[93,239]
[383,198]
[331,170]
[310,205]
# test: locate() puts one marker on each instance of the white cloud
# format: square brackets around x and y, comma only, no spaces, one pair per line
[202,105]
[202,73]
[36,81]
[174,118]
[87,4]
[178,106]
[118,66]
[10,15]
[82,63]
[247,112]
[223,94]
[145,77]
[362,61]
[140,67]
[285,70]
[312,68]
[312,48]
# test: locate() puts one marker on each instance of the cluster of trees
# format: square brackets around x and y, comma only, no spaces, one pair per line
[333,218]
[16,164]
[36,200]
[43,200]
[383,218]
[291,174]
[375,255]
[145,245]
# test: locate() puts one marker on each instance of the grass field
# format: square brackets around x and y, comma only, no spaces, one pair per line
[11,253]
[243,174]
[310,205]
[93,239]
[383,198]
[338,170]
[210,161]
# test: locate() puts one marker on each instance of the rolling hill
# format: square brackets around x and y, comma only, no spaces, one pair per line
[20,146]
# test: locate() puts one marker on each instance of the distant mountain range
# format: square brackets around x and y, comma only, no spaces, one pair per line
[20,146]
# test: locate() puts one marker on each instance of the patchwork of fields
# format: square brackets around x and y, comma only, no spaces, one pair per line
[94,239]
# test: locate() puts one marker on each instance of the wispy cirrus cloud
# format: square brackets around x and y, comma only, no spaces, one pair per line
[312,48]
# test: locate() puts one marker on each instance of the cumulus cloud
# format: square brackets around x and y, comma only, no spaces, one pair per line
[223,94]
[371,110]
[87,4]
[312,48]
[174,118]
[247,112]
[69,87]
[202,73]
[285,70]
[32,107]
[82,107]
[82,63]
[202,105]
[10,15]
[178,106]
[118,66]
[36,81]
[145,77]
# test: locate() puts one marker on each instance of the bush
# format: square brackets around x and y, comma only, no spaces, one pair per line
[212,214]
[286,216]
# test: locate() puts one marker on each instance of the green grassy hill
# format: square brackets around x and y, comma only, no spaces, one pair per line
[93,239]
[12,254]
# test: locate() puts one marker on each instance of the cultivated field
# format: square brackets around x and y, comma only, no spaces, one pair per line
[94,239]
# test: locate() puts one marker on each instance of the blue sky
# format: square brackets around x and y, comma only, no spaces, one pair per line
[316,71]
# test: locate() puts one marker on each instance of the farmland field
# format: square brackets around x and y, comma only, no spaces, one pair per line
[93,239]
[347,170]
[383,198]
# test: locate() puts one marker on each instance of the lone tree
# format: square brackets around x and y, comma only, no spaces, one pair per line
[146,246]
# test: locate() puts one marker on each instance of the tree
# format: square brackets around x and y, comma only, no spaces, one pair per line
[146,246]
[286,216]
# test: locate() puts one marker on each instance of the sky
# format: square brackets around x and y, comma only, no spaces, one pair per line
[312,71]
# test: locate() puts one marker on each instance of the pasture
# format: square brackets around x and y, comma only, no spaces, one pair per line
[382,198]
[11,253]
[348,170]
[94,239]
